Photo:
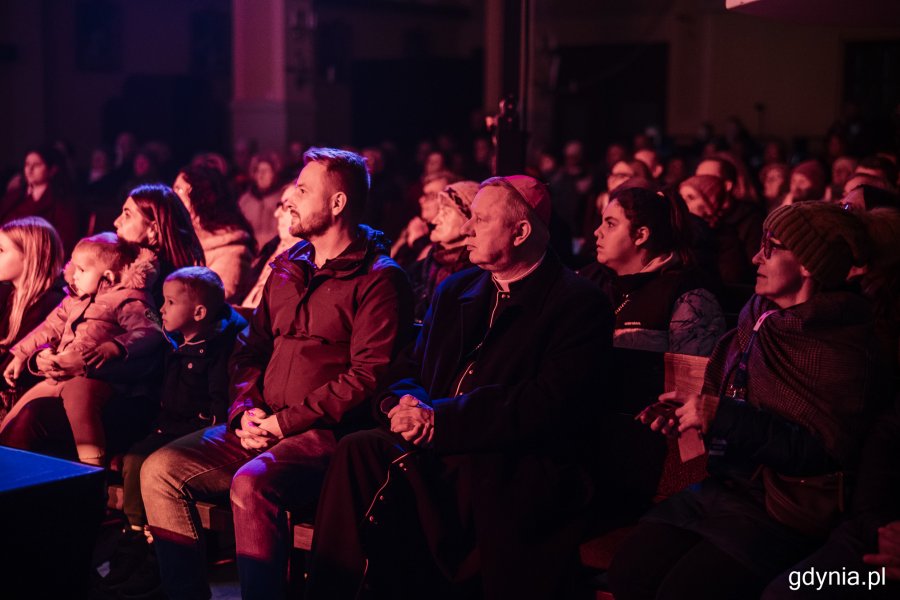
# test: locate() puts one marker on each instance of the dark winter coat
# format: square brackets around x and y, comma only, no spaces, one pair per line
[320,342]
[812,377]
[669,309]
[516,434]
[195,384]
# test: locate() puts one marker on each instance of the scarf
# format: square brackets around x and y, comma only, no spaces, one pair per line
[815,364]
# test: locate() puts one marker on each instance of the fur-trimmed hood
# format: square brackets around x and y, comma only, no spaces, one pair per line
[138,275]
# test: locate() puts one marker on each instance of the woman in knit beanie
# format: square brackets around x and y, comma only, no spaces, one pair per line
[785,394]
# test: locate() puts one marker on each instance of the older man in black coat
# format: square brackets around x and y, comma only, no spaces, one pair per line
[477,487]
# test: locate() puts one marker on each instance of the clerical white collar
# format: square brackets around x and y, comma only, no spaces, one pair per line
[503,284]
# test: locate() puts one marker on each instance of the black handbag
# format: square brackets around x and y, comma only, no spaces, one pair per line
[810,505]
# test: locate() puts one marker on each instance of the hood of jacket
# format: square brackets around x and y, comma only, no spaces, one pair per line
[368,244]
[139,275]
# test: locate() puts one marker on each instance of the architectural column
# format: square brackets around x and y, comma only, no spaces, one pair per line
[272,100]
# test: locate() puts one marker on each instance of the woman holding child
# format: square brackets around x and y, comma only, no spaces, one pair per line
[99,341]
[785,400]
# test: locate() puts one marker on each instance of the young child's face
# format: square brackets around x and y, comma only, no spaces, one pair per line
[87,273]
[178,307]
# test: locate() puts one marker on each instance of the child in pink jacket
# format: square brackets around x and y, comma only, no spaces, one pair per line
[105,334]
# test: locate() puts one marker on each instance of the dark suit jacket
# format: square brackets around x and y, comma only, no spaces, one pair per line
[518,438]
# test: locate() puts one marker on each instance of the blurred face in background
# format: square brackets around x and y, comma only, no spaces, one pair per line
[841,170]
[36,170]
[696,202]
[428,201]
[620,173]
[801,187]
[774,183]
[264,175]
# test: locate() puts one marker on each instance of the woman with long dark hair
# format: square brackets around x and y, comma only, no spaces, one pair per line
[154,217]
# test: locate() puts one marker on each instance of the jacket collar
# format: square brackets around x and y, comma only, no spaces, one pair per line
[299,259]
[529,291]
[229,321]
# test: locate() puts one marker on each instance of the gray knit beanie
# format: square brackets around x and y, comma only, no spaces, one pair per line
[826,239]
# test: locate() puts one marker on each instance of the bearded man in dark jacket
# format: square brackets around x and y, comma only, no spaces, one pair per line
[334,313]
[475,487]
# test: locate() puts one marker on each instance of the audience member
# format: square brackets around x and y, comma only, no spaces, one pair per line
[31,258]
[807,182]
[644,266]
[448,253]
[261,198]
[45,192]
[202,329]
[841,171]
[154,218]
[413,242]
[223,231]
[262,268]
[737,228]
[334,313]
[775,179]
[620,172]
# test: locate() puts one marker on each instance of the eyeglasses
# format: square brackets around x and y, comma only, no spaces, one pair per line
[768,244]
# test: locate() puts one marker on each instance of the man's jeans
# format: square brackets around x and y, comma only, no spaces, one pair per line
[207,464]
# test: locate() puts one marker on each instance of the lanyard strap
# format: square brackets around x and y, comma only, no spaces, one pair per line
[738,388]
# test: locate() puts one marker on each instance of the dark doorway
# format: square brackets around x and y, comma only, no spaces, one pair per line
[610,92]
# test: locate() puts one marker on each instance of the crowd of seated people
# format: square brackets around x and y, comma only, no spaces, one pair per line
[406,356]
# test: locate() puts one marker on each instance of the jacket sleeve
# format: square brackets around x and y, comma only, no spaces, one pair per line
[251,354]
[47,334]
[768,439]
[697,323]
[143,334]
[380,325]
[555,401]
